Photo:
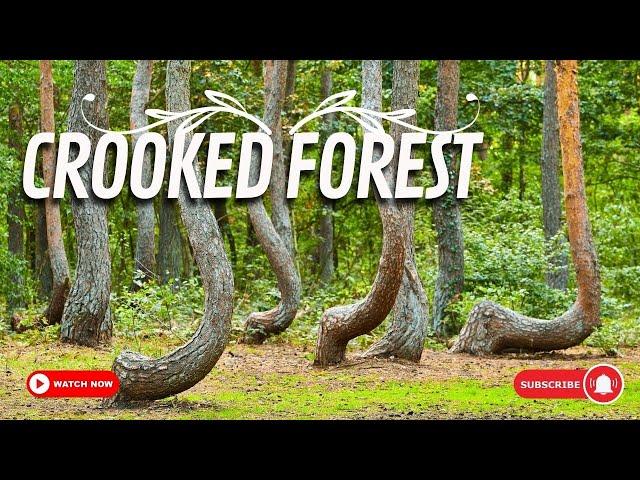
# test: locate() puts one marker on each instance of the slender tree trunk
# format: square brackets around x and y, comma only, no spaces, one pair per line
[145,259]
[492,328]
[341,324]
[43,265]
[446,209]
[252,241]
[325,223]
[522,184]
[506,167]
[170,246]
[280,215]
[143,378]
[405,336]
[260,325]
[86,319]
[557,275]
[15,214]
[53,224]
[222,217]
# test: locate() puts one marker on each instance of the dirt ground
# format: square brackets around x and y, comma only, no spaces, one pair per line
[278,381]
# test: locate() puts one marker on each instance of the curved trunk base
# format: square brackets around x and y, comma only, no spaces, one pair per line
[143,378]
[405,336]
[261,325]
[493,329]
[331,346]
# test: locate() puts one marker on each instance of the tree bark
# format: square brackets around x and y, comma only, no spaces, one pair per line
[280,214]
[222,217]
[86,319]
[143,378]
[42,263]
[557,274]
[16,214]
[325,223]
[260,325]
[145,259]
[446,209]
[405,336]
[492,328]
[341,324]
[170,246]
[56,251]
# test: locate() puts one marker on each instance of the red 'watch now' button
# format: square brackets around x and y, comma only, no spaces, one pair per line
[73,383]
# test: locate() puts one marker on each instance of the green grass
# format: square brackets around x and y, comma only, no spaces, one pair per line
[309,393]
[374,399]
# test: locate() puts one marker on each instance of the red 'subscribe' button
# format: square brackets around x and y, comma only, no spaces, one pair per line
[550,383]
[73,383]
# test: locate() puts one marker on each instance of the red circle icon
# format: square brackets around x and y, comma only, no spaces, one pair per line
[603,383]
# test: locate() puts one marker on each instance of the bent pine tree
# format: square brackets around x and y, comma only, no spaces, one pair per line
[492,328]
[143,378]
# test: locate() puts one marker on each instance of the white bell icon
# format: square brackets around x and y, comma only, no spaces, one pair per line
[603,385]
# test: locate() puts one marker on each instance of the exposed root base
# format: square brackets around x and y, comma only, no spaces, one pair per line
[379,350]
[261,325]
[493,329]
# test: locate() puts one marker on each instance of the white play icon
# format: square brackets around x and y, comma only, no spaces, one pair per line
[39,383]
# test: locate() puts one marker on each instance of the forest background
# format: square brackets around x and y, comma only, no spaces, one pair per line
[507,256]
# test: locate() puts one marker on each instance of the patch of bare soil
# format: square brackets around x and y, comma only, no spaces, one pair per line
[434,365]
[251,369]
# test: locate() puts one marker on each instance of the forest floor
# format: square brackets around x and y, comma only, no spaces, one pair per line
[278,381]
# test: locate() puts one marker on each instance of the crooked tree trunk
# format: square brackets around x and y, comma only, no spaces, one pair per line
[57,253]
[143,378]
[405,336]
[280,214]
[15,214]
[492,328]
[325,223]
[86,319]
[260,325]
[558,273]
[446,209]
[341,324]
[145,258]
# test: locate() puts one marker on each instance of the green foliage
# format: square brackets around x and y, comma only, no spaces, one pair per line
[155,309]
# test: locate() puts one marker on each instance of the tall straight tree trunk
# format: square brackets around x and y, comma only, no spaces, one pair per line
[169,264]
[143,378]
[15,214]
[42,263]
[145,258]
[222,217]
[341,324]
[86,319]
[280,214]
[492,328]
[446,209]
[325,223]
[557,275]
[57,253]
[405,336]
[522,184]
[260,325]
